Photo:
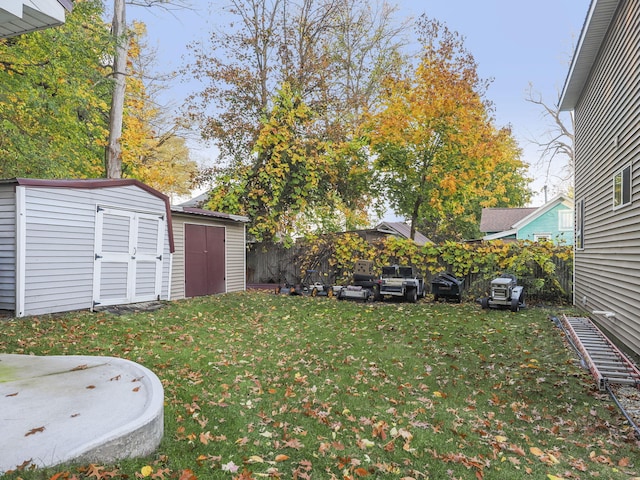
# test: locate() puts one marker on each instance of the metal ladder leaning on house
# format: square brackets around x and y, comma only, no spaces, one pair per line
[603,359]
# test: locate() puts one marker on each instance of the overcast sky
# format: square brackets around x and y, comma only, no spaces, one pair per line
[514,42]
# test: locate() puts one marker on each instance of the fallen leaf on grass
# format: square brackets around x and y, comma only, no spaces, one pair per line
[624,462]
[59,475]
[294,443]
[361,472]
[281,458]
[547,458]
[187,475]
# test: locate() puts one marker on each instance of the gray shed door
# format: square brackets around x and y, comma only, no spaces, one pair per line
[128,256]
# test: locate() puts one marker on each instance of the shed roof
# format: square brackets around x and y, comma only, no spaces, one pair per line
[502,219]
[98,183]
[593,31]
[209,213]
[403,229]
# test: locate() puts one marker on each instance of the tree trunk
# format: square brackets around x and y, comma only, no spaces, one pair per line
[414,218]
[113,160]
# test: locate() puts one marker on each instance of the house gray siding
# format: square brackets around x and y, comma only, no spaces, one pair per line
[607,139]
[234,257]
[59,243]
[7,247]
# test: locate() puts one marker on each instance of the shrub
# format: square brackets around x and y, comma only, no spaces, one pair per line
[543,268]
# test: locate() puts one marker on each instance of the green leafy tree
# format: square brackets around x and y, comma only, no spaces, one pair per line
[54,98]
[439,155]
[54,107]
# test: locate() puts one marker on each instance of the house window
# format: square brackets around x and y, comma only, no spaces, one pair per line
[580,224]
[565,220]
[541,237]
[622,187]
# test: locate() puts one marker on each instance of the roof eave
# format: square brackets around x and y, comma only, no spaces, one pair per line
[21,16]
[209,213]
[499,235]
[542,210]
[593,32]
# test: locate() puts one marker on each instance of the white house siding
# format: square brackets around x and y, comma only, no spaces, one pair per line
[59,243]
[607,116]
[7,247]
[235,257]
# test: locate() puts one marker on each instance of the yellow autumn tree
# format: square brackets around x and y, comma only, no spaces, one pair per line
[152,152]
[435,144]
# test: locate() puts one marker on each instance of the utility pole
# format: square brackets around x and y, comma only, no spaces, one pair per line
[113,154]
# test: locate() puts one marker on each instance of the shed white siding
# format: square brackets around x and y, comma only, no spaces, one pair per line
[235,252]
[55,241]
[607,139]
[7,248]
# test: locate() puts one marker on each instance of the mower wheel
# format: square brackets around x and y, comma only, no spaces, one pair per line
[412,295]
[515,304]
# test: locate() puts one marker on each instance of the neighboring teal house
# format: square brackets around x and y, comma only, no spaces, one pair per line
[553,222]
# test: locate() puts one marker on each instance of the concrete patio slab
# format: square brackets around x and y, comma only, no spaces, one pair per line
[77,409]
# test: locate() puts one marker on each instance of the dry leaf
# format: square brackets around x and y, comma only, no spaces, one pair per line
[33,431]
[536,451]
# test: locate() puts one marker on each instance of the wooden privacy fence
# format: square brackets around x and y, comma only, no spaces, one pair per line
[274,264]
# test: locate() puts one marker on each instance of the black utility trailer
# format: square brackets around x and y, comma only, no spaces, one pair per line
[447,286]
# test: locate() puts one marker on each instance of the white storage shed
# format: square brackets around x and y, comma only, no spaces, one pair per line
[77,244]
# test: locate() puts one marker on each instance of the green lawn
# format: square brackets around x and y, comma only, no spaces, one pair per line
[297,388]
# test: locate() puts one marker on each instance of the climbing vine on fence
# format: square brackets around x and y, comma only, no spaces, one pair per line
[542,267]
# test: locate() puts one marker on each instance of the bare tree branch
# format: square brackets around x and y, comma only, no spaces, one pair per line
[557,144]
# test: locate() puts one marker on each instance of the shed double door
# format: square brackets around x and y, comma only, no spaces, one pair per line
[128,256]
[205,269]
